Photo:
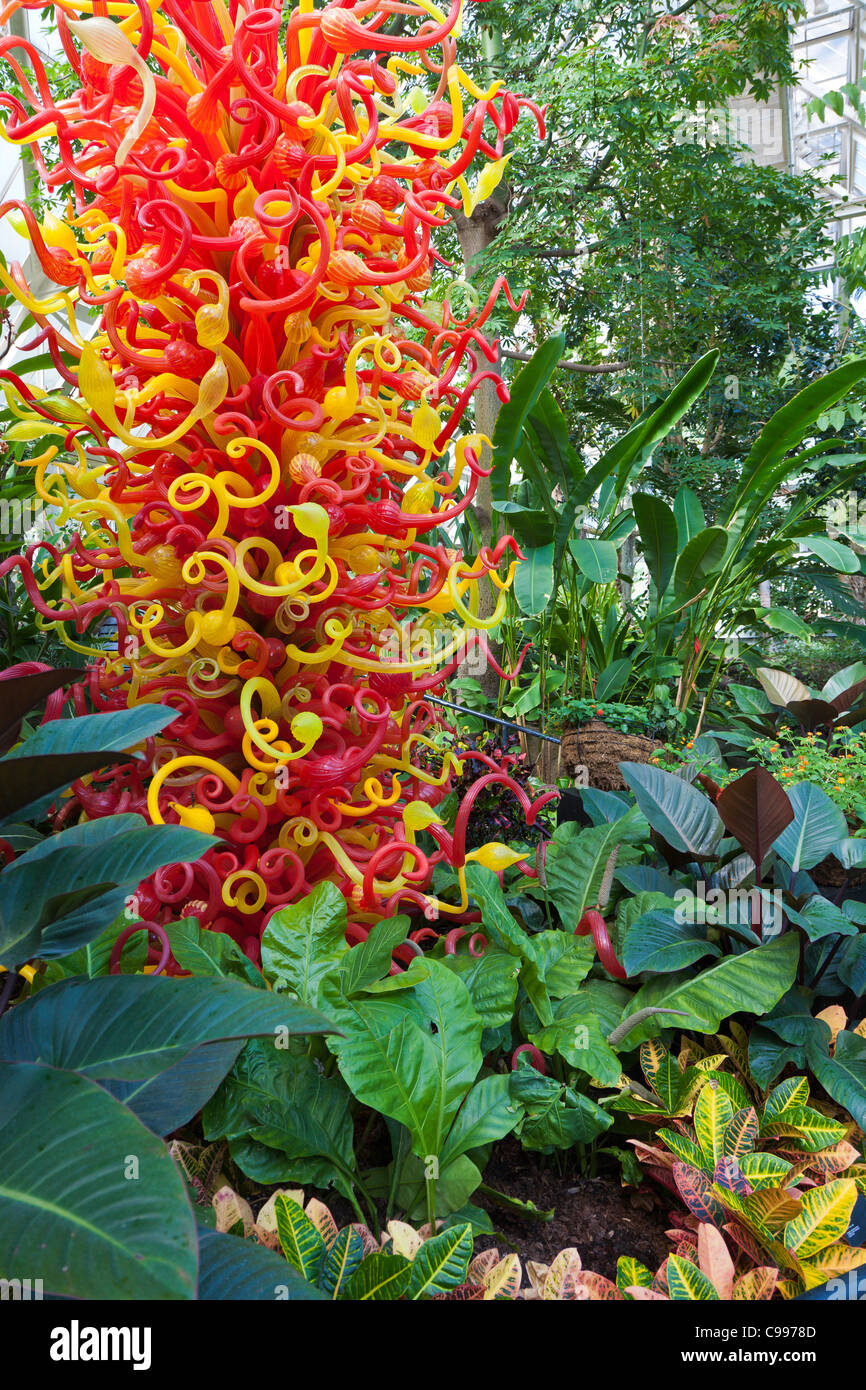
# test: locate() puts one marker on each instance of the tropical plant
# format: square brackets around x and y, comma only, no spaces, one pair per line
[350,1263]
[91,1202]
[784,704]
[777,1174]
[59,892]
[582,606]
[701,1268]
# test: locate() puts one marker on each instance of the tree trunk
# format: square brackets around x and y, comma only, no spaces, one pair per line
[475,234]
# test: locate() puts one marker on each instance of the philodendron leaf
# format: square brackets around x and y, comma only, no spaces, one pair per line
[69,1212]
[283,1103]
[748,983]
[681,814]
[18,694]
[817,829]
[57,753]
[412,1054]
[658,942]
[780,688]
[302,942]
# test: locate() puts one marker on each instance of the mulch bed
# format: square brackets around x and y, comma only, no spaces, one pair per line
[597,1216]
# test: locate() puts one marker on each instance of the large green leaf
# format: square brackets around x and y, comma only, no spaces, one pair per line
[284,1102]
[839,557]
[55,754]
[412,1054]
[60,894]
[767,464]
[524,391]
[843,1075]
[579,1038]
[748,983]
[533,581]
[681,814]
[817,829]
[233,1269]
[576,860]
[302,942]
[698,559]
[90,1200]
[130,1028]
[210,953]
[658,533]
[689,515]
[488,1113]
[657,941]
[491,980]
[484,889]
[645,434]
[371,959]
[596,559]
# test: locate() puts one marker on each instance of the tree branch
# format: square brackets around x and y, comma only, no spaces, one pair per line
[590,368]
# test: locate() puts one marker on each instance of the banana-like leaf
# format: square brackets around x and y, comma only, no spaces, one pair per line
[658,533]
[748,983]
[839,557]
[596,559]
[533,581]
[681,814]
[71,1211]
[524,392]
[700,557]
[817,829]
[96,866]
[689,516]
[767,463]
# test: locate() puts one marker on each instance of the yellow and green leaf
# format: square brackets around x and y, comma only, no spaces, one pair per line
[687,1282]
[713,1113]
[825,1216]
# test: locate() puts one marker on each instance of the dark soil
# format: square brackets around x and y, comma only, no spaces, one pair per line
[597,1216]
